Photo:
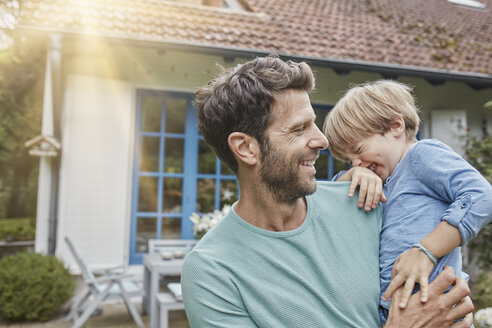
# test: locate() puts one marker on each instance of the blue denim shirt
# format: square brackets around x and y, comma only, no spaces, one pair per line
[432,183]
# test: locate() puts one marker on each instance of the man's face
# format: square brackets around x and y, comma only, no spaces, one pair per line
[291,147]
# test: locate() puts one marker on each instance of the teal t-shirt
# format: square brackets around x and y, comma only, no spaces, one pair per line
[325,273]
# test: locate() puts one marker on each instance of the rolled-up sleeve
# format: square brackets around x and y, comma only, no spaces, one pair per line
[447,176]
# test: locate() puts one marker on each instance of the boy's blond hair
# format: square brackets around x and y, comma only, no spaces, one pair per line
[368,109]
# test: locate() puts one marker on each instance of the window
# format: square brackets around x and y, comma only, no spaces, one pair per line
[175,172]
[326,165]
[469,3]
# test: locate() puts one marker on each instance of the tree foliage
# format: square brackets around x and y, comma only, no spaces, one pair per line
[478,151]
[22,62]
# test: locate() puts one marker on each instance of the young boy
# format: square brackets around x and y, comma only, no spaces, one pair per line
[436,201]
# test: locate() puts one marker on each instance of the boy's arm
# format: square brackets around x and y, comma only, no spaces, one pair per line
[370,187]
[442,240]
[443,174]
[446,175]
[414,265]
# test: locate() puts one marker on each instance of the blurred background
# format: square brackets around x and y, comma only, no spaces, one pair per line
[98,137]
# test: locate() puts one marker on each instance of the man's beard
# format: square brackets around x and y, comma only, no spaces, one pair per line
[283,177]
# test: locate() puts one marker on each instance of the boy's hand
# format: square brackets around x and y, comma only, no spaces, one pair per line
[410,267]
[370,187]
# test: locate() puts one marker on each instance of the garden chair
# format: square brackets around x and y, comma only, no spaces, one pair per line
[171,245]
[109,285]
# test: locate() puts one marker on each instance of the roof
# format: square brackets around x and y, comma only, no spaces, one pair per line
[428,34]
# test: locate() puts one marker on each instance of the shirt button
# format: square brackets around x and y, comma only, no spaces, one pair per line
[463,205]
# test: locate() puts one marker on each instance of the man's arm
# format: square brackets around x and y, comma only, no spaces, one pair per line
[440,311]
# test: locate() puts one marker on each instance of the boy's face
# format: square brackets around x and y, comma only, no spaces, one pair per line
[379,153]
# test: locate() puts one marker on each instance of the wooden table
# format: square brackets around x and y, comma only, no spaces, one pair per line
[154,268]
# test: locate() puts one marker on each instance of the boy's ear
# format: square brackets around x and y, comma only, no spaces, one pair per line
[397,126]
[244,147]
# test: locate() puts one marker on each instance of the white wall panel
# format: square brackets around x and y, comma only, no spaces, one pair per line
[95,181]
[449,126]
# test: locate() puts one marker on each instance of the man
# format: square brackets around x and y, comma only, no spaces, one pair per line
[292,252]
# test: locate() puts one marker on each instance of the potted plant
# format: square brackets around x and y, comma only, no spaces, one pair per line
[207,221]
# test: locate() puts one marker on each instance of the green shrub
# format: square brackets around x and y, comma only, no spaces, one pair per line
[33,286]
[482,291]
[17,229]
[478,152]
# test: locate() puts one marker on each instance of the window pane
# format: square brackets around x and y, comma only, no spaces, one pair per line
[175,115]
[147,194]
[225,169]
[339,166]
[205,195]
[151,114]
[172,195]
[173,157]
[171,228]
[322,166]
[320,117]
[206,158]
[228,192]
[146,229]
[149,158]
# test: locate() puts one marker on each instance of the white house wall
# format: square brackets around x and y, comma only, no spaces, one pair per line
[96,169]
[449,126]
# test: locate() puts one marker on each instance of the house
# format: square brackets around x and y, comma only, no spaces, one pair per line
[118,95]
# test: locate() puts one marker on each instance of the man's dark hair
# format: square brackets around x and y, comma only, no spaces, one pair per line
[241,98]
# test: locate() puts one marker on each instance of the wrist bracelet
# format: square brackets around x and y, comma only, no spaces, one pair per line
[431,256]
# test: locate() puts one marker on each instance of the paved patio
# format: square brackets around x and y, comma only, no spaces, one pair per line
[114,315]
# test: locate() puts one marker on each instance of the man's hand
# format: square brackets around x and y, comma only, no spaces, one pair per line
[370,186]
[440,311]
[410,267]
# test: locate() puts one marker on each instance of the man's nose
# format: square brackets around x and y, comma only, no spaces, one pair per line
[318,141]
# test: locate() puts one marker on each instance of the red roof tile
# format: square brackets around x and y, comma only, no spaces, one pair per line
[422,33]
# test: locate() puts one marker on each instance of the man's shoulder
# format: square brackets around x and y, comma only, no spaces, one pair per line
[218,243]
[335,188]
[331,194]
[332,198]
[332,185]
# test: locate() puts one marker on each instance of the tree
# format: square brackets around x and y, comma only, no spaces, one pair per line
[478,151]
[22,62]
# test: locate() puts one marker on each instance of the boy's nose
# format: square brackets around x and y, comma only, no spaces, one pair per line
[356,162]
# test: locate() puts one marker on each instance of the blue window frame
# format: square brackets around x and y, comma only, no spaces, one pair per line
[326,165]
[175,173]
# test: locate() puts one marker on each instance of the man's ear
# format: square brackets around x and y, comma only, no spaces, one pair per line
[397,126]
[245,147]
